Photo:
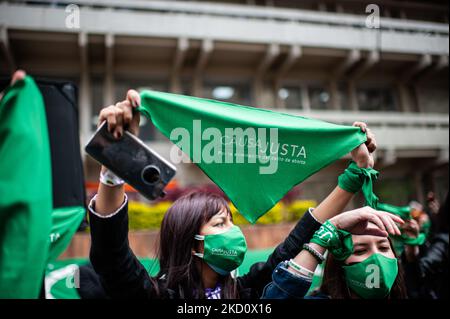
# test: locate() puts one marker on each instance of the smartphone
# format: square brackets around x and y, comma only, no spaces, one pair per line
[133,161]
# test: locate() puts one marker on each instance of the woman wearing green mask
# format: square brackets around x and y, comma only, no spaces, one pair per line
[361,262]
[199,246]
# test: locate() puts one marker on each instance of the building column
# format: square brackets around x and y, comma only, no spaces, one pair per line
[334,95]
[108,96]
[205,53]
[177,64]
[6,48]
[352,97]
[272,52]
[295,53]
[306,102]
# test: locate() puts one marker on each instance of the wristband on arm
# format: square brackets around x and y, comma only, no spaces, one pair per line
[337,241]
[108,178]
[356,178]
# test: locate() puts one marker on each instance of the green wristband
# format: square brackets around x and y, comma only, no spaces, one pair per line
[356,178]
[337,241]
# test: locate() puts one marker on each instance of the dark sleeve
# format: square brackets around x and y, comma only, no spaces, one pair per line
[421,274]
[260,274]
[120,272]
[436,256]
[286,285]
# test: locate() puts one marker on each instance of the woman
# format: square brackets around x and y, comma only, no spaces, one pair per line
[199,246]
[361,261]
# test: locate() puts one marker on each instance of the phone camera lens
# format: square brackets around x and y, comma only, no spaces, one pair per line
[151,175]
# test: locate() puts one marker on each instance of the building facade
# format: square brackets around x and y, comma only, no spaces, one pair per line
[339,61]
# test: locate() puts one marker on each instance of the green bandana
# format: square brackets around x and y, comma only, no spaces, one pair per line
[339,242]
[224,252]
[255,156]
[411,241]
[373,277]
[65,222]
[355,178]
[404,212]
[25,191]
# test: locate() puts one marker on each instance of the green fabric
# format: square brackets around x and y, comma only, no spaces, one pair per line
[339,242]
[426,228]
[225,251]
[317,279]
[57,280]
[25,191]
[355,178]
[373,277]
[411,241]
[208,132]
[65,222]
[252,257]
[404,212]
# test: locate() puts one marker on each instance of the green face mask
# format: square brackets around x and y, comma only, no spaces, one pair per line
[224,252]
[373,277]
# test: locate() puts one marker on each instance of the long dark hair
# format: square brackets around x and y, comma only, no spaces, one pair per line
[180,224]
[334,285]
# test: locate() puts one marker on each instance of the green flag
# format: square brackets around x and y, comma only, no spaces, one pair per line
[25,191]
[65,222]
[255,156]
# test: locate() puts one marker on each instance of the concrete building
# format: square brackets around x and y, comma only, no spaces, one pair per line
[325,59]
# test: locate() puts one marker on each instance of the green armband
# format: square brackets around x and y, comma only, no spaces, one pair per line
[356,178]
[337,241]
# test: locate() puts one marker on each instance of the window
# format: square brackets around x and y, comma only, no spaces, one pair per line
[376,99]
[291,97]
[319,98]
[233,93]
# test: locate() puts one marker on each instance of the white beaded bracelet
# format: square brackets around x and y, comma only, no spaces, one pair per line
[301,270]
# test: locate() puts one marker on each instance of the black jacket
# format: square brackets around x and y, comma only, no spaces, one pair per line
[427,277]
[123,276]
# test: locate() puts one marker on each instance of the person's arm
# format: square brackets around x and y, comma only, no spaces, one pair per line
[411,229]
[339,198]
[335,203]
[288,282]
[354,221]
[117,116]
[120,272]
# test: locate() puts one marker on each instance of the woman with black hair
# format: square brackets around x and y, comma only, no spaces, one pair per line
[199,245]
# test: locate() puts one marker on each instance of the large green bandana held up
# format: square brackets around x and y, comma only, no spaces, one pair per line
[254,155]
[25,191]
